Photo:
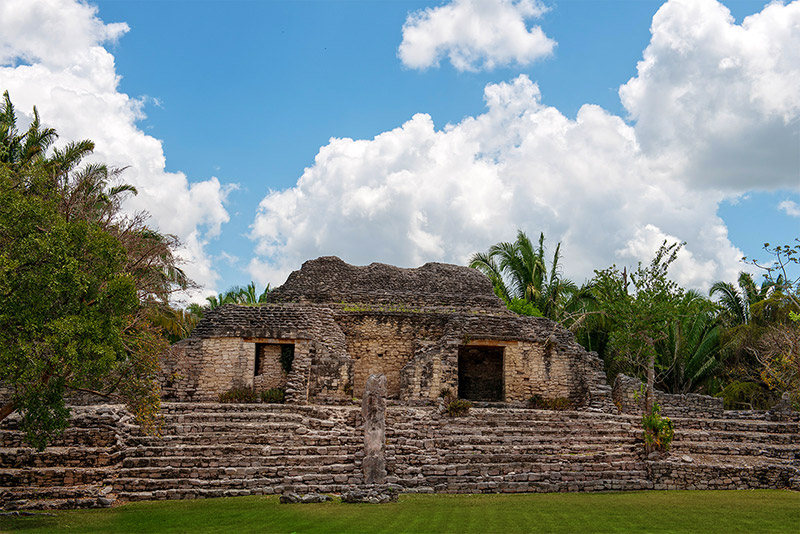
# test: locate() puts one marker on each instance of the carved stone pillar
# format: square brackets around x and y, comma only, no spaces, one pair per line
[373,412]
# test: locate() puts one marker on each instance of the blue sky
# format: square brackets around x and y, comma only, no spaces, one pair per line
[243,96]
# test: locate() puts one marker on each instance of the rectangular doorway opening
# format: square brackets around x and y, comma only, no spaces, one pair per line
[273,359]
[480,373]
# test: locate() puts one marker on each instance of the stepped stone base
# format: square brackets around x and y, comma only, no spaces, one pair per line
[219,450]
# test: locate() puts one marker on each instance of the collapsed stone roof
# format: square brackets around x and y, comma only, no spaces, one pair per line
[329,280]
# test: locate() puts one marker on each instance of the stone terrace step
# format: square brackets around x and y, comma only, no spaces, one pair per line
[76,491]
[245,450]
[519,471]
[18,457]
[228,473]
[786,452]
[735,437]
[126,485]
[54,476]
[737,425]
[512,430]
[72,437]
[236,461]
[518,458]
[233,438]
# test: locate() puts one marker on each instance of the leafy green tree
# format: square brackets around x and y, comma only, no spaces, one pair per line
[642,317]
[78,283]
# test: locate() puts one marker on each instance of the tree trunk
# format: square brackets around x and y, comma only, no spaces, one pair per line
[651,378]
[7,410]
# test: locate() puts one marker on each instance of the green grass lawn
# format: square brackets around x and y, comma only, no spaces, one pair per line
[726,512]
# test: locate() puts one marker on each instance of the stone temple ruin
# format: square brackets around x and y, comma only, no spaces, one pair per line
[427,329]
[336,333]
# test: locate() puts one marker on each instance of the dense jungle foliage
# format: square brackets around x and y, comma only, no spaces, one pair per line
[741,341]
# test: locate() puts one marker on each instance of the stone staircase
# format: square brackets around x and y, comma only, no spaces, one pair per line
[730,453]
[73,473]
[214,450]
[513,450]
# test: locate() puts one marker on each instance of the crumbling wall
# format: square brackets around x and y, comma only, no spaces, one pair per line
[629,396]
[432,369]
[329,280]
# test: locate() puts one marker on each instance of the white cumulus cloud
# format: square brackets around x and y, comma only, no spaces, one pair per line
[714,110]
[475,35]
[790,207]
[52,56]
[415,194]
[720,101]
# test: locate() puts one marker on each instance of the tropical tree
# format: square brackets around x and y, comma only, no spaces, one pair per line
[78,283]
[247,295]
[736,303]
[642,316]
[689,354]
[519,271]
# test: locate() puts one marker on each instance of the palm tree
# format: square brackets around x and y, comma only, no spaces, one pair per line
[690,352]
[519,270]
[736,304]
[239,295]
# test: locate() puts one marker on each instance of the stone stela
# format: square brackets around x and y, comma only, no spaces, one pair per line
[373,413]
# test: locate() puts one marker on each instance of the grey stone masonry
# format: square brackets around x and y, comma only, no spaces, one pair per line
[346,323]
[331,280]
[218,450]
[628,393]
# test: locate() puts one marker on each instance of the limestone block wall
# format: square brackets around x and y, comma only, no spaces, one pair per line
[534,369]
[330,375]
[539,358]
[385,342]
[180,370]
[227,363]
[433,368]
[629,396]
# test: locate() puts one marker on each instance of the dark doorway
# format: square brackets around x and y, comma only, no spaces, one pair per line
[480,373]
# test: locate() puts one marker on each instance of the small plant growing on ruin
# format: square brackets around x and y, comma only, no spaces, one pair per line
[454,406]
[348,390]
[658,430]
[273,396]
[241,395]
[458,407]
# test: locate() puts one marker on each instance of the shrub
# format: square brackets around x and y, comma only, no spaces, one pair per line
[739,395]
[454,406]
[458,407]
[242,395]
[537,402]
[273,396]
[658,431]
